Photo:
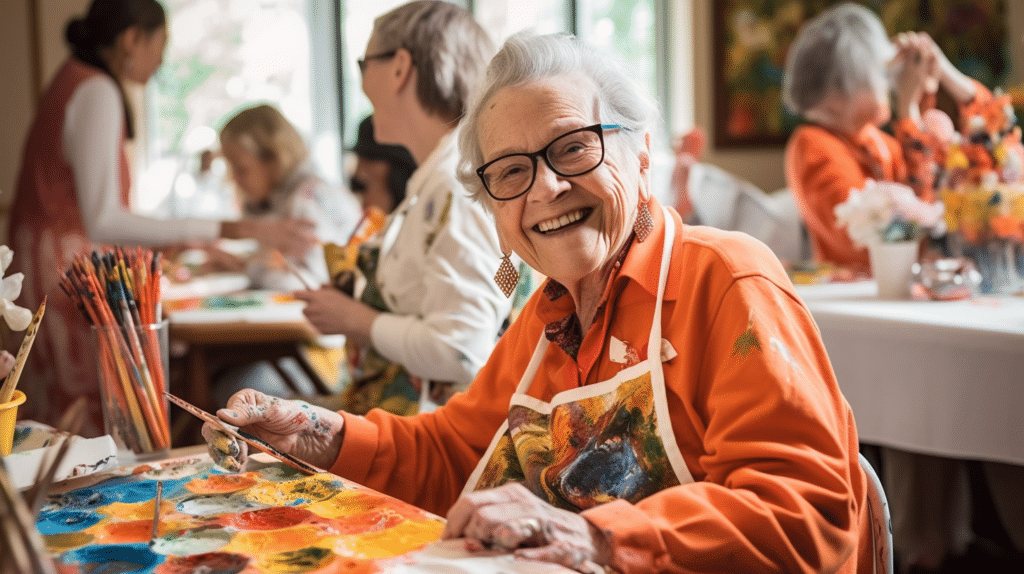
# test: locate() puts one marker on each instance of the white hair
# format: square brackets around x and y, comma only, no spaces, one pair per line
[527,57]
[843,50]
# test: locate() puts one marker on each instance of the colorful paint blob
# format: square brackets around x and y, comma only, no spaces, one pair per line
[61,521]
[301,491]
[222,483]
[113,558]
[124,532]
[297,562]
[210,504]
[208,563]
[67,540]
[198,541]
[270,520]
[274,518]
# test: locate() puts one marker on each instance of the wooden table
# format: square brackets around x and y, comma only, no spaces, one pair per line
[224,337]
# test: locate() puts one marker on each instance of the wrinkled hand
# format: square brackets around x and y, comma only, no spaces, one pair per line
[333,312]
[292,237]
[310,433]
[511,517]
[917,64]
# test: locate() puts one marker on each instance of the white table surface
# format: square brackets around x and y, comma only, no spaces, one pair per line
[938,377]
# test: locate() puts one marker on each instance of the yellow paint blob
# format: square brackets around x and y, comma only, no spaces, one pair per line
[309,489]
[403,538]
[296,562]
[345,503]
[259,542]
[57,543]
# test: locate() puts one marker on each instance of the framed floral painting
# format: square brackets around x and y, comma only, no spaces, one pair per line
[751,39]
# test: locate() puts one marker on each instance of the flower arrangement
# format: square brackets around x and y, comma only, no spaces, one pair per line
[886,212]
[17,318]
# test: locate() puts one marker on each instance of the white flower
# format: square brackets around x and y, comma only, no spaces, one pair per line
[17,317]
[868,212]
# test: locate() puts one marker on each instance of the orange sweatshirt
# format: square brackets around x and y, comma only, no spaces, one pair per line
[822,166]
[755,409]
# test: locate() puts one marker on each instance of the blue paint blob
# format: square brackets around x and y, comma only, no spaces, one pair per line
[84,499]
[62,521]
[114,558]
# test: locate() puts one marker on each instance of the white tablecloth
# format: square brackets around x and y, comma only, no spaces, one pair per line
[943,378]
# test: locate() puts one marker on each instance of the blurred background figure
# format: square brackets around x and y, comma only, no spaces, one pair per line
[268,162]
[430,312]
[74,188]
[381,172]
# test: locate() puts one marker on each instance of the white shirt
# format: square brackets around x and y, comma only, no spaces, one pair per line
[334,210]
[436,274]
[93,123]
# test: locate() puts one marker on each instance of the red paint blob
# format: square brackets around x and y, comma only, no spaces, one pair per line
[211,562]
[273,518]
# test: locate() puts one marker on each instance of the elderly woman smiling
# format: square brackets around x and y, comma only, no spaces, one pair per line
[663,403]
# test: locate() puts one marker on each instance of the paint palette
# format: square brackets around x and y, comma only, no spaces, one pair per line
[271,519]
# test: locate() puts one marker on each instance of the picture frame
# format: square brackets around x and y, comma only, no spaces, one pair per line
[750,39]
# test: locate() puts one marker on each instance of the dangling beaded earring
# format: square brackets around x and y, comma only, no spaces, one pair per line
[643,224]
[507,276]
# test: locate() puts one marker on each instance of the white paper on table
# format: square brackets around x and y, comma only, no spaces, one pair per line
[85,455]
[451,557]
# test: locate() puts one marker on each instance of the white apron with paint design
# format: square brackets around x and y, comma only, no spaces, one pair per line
[593,444]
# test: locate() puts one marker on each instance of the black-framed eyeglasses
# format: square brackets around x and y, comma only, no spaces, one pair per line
[573,153]
[382,56]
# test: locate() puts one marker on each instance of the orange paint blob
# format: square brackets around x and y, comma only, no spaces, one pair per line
[372,521]
[222,483]
[261,542]
[124,532]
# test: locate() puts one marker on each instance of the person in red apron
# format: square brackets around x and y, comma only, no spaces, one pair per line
[662,404]
[73,194]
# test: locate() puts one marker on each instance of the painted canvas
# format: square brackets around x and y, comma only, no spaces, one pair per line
[751,39]
[271,519]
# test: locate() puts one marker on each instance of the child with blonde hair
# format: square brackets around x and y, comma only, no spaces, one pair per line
[268,161]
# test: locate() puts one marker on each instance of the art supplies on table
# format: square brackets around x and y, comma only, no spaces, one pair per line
[118,291]
[8,387]
[35,442]
[245,437]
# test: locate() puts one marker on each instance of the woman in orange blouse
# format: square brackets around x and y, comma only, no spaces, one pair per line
[836,77]
[663,403]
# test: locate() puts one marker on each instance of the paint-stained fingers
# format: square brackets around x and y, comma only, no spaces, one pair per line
[226,452]
[521,532]
[469,505]
[564,554]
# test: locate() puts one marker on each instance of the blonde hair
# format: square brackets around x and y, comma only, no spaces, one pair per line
[267,134]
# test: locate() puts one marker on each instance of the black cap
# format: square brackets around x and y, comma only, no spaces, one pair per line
[367,147]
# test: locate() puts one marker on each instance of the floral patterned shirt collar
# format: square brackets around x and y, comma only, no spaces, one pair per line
[563,326]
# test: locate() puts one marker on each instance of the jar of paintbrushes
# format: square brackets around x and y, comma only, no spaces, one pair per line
[118,290]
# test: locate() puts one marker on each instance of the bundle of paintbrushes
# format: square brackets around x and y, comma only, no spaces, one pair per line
[119,293]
